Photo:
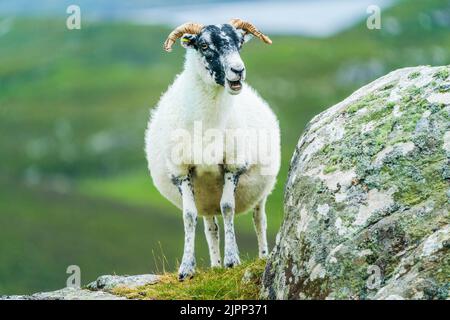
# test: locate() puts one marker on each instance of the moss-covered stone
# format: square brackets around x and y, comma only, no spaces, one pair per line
[367,197]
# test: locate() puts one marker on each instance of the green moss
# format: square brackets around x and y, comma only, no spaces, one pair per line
[417,179]
[380,113]
[414,91]
[443,272]
[413,110]
[209,284]
[420,223]
[411,94]
[353,108]
[349,278]
[380,135]
[389,86]
[414,75]
[444,88]
[413,195]
[367,101]
[329,169]
[442,74]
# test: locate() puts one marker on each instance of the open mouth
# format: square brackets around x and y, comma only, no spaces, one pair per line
[235,85]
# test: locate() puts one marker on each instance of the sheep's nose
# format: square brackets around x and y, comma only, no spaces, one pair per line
[238,71]
[235,68]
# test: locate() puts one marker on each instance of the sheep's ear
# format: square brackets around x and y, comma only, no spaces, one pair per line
[188,41]
[246,36]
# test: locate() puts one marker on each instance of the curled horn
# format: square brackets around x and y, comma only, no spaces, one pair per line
[189,27]
[250,28]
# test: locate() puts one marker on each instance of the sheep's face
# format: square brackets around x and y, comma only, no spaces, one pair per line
[218,49]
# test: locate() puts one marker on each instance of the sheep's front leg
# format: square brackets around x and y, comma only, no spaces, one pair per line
[187,267]
[213,239]
[260,222]
[227,205]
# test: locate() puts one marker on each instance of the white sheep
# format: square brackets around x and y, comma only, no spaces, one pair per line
[210,101]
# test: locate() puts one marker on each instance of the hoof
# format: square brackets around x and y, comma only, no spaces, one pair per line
[232,262]
[184,276]
[187,270]
[230,265]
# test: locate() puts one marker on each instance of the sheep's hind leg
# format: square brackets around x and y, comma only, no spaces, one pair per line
[227,206]
[260,222]
[187,267]
[213,239]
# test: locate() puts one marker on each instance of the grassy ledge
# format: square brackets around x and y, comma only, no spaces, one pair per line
[242,282]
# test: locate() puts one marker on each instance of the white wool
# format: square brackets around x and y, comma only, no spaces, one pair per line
[195,97]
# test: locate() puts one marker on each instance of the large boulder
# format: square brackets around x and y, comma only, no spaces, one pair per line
[367,197]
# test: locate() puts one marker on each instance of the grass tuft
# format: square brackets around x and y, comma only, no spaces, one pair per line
[239,283]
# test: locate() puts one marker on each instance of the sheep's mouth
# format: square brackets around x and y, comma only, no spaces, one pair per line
[235,85]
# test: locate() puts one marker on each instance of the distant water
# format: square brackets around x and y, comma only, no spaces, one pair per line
[316,18]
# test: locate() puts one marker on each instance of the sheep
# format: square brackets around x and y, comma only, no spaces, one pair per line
[210,97]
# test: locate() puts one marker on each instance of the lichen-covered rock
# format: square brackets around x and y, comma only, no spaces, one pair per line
[67,294]
[109,282]
[367,197]
[100,289]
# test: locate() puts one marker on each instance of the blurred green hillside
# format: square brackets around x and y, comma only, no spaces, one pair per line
[74,188]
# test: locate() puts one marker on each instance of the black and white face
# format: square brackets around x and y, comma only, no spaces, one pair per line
[218,47]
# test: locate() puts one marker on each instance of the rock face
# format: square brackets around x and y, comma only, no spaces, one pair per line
[101,289]
[367,197]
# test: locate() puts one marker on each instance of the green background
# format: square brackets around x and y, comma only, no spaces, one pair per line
[74,187]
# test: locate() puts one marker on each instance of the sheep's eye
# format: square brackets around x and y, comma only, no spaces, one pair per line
[204,46]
